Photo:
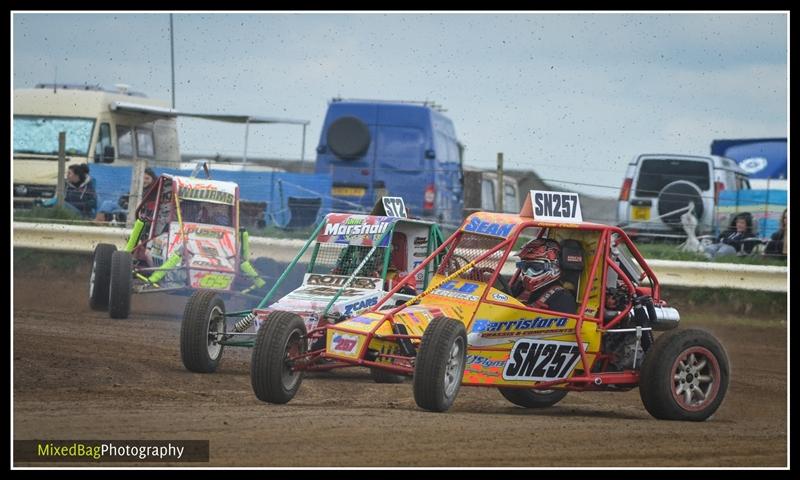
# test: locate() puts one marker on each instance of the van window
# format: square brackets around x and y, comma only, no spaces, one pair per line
[125,141]
[144,143]
[400,147]
[510,201]
[487,195]
[441,147]
[103,139]
[39,135]
[656,174]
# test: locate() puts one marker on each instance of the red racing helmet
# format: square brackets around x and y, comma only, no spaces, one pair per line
[539,264]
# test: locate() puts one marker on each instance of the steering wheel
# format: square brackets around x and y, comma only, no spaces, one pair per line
[457,261]
[483,274]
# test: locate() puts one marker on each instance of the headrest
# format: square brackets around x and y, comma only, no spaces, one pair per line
[571,255]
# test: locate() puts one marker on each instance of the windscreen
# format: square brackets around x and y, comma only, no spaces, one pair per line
[39,135]
[656,174]
[344,259]
[467,248]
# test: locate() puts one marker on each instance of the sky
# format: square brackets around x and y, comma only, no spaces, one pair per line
[571,96]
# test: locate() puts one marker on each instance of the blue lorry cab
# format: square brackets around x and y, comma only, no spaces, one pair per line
[405,149]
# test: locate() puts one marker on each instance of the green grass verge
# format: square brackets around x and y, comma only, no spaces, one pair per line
[38,261]
[52,214]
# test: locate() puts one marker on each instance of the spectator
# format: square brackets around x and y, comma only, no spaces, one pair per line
[80,194]
[732,241]
[108,211]
[776,245]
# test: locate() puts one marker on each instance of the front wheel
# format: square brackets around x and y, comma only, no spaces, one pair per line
[272,377]
[684,376]
[119,292]
[440,364]
[203,322]
[533,398]
[100,276]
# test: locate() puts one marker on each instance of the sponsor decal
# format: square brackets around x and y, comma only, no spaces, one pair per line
[364,320]
[355,226]
[753,164]
[344,343]
[541,360]
[205,194]
[488,228]
[488,326]
[458,289]
[421,241]
[484,362]
[359,305]
[500,297]
[556,206]
[328,291]
[338,281]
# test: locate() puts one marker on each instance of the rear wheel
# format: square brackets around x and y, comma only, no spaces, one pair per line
[382,376]
[440,364]
[203,322]
[101,276]
[119,294]
[533,398]
[271,374]
[684,376]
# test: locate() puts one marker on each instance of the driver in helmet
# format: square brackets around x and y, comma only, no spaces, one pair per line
[537,280]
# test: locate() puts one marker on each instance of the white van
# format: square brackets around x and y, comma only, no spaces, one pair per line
[659,188]
[101,125]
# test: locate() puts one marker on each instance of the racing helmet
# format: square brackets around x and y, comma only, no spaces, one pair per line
[539,264]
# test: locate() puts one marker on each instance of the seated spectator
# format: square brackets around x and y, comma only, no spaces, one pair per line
[80,194]
[109,211]
[776,246]
[732,241]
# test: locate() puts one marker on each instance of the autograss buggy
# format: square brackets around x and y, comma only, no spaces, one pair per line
[354,261]
[467,328]
[186,237]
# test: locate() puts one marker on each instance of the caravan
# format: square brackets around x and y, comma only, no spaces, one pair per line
[101,126]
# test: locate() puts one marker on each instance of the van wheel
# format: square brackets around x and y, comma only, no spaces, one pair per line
[677,195]
[348,137]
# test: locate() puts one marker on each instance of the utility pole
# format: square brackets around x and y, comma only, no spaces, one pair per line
[62,142]
[500,187]
[172,58]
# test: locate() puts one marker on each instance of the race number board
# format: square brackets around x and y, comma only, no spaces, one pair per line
[390,207]
[555,207]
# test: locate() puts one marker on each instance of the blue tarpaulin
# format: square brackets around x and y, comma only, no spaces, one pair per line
[272,187]
[761,158]
[766,206]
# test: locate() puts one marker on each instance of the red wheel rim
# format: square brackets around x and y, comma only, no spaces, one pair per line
[695,378]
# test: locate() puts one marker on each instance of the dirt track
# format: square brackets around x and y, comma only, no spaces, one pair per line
[80,375]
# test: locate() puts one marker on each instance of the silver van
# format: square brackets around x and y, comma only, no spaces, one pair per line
[659,188]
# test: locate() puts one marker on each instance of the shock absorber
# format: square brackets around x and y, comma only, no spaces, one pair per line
[244,323]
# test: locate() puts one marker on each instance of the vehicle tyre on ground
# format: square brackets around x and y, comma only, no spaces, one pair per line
[203,322]
[532,398]
[440,364]
[684,376]
[283,336]
[101,276]
[119,293]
